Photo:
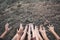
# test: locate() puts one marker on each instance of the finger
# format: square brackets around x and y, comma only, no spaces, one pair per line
[43,28]
[21,27]
[48,26]
[26,28]
[36,28]
[31,25]
[49,29]
[10,28]
[6,25]
[29,29]
[17,30]
[52,26]
[40,26]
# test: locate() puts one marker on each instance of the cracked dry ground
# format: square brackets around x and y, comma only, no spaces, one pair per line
[36,13]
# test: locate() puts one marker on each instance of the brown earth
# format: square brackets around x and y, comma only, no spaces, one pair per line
[25,13]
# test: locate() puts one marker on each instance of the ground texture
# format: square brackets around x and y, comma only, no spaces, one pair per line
[35,12]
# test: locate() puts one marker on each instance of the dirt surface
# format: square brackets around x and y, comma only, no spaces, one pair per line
[36,13]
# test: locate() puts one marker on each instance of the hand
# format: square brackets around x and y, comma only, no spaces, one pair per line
[24,34]
[37,33]
[36,28]
[26,27]
[18,35]
[43,32]
[6,27]
[6,30]
[20,31]
[33,30]
[31,26]
[42,29]
[51,28]
[29,33]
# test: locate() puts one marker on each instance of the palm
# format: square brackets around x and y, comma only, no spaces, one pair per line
[51,27]
[6,27]
[42,29]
